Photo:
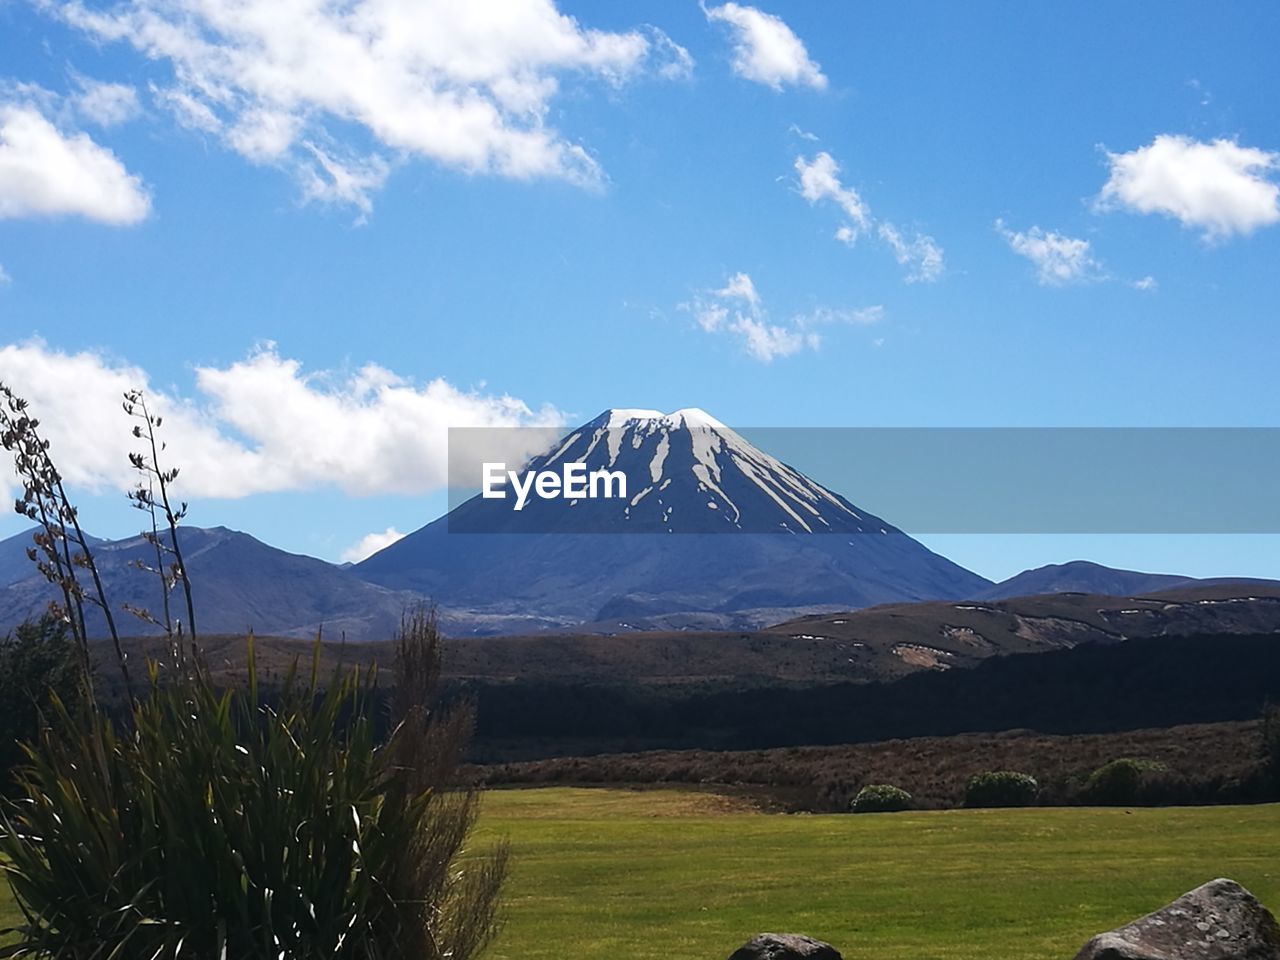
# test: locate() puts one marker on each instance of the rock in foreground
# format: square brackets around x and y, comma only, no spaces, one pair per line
[785,946]
[1220,920]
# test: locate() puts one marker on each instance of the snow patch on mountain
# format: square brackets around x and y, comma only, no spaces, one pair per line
[746,487]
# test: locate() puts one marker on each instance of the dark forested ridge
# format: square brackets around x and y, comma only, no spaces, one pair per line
[1140,683]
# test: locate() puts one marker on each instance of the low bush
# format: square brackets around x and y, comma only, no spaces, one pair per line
[1001,788]
[1127,780]
[881,798]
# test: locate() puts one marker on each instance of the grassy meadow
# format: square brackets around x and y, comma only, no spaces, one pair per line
[664,873]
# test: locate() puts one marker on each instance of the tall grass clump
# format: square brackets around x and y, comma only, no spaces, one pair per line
[322,819]
[226,825]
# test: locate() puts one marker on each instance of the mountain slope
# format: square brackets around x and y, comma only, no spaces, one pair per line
[238,583]
[710,523]
[880,643]
[896,639]
[1081,576]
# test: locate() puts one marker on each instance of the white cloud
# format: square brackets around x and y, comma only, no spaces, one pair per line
[370,544]
[192,113]
[1221,187]
[768,341]
[1147,283]
[765,49]
[351,182]
[5,279]
[740,287]
[820,182]
[260,425]
[106,104]
[711,317]
[44,172]
[921,256]
[466,85]
[1058,259]
[736,309]
[674,61]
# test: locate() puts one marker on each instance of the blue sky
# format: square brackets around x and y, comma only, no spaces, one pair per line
[319,234]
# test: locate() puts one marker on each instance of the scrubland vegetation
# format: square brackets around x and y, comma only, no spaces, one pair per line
[1193,764]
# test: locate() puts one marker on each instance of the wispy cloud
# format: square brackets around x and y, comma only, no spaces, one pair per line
[921,255]
[737,310]
[819,182]
[1058,259]
[106,104]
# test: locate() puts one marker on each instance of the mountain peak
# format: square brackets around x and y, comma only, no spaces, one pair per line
[617,418]
[682,472]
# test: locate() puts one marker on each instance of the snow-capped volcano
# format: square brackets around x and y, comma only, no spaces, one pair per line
[685,472]
[560,560]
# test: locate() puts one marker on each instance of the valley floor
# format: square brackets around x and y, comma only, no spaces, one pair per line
[633,875]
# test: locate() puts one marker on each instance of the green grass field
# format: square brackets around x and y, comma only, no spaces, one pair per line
[670,874]
[664,874]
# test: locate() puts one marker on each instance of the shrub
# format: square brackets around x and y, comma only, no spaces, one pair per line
[1271,741]
[38,661]
[223,825]
[1122,781]
[881,798]
[1001,788]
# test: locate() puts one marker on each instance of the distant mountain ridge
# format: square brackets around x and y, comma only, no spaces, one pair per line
[714,534]
[239,584]
[1081,576]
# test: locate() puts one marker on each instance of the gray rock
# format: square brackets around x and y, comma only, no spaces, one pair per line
[1220,920]
[785,946]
